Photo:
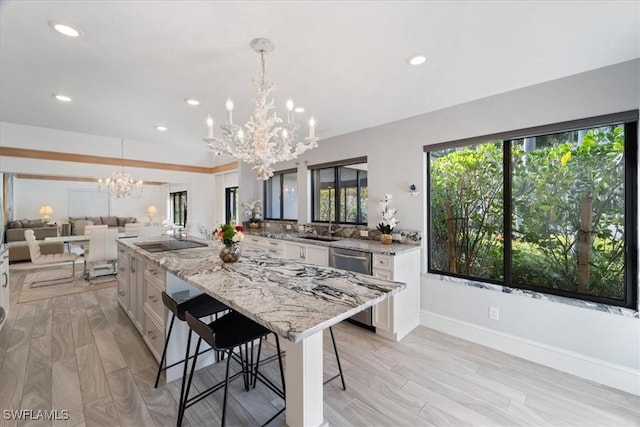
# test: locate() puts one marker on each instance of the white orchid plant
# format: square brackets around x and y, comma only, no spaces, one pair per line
[389,220]
[253,210]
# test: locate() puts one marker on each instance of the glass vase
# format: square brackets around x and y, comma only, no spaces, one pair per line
[386,239]
[230,253]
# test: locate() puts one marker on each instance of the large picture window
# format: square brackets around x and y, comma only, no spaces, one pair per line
[340,192]
[281,195]
[551,210]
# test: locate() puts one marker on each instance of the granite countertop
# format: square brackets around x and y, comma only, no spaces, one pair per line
[372,246]
[293,299]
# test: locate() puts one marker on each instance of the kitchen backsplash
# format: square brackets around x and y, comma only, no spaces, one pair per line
[337,230]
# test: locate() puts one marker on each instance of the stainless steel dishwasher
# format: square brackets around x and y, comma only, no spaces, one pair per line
[358,262]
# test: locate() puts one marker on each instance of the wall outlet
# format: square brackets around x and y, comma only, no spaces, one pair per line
[301,228]
[267,225]
[364,233]
[494,313]
[288,226]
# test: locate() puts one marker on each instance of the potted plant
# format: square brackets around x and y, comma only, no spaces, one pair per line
[254,211]
[229,235]
[389,220]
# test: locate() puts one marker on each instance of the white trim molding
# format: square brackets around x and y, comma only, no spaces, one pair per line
[600,371]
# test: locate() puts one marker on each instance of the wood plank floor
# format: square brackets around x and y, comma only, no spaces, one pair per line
[81,353]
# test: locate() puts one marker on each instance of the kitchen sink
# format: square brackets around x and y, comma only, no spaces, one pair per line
[319,238]
[170,245]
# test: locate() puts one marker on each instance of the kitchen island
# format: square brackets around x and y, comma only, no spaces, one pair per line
[295,300]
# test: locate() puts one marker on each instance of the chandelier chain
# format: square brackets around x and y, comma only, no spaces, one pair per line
[120,184]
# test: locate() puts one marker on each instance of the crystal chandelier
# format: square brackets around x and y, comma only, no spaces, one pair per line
[262,141]
[121,184]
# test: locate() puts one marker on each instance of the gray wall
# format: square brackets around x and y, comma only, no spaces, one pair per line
[395,157]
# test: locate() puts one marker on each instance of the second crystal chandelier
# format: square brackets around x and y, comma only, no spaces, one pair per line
[262,141]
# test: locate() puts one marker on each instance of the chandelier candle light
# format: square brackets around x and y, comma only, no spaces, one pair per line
[262,142]
[121,184]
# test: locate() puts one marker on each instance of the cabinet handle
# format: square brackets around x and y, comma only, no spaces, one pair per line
[153,298]
[6,280]
[151,335]
[122,293]
[133,265]
[273,243]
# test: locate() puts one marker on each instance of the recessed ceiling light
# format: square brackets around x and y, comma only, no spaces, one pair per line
[63,98]
[65,29]
[192,102]
[417,60]
[299,110]
[161,128]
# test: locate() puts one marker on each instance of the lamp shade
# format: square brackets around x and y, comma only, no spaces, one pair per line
[45,212]
[151,210]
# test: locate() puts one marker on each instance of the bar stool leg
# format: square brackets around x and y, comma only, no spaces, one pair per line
[226,386]
[284,390]
[184,394]
[164,350]
[335,349]
[255,371]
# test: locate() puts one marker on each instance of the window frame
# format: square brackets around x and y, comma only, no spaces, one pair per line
[336,203]
[177,195]
[266,205]
[231,204]
[629,119]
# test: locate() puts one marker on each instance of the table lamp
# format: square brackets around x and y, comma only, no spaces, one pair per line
[151,211]
[45,212]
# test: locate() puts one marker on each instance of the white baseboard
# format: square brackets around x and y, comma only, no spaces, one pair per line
[600,371]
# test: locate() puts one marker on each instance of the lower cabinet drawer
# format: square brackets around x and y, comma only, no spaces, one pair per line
[382,262]
[153,299]
[382,274]
[154,336]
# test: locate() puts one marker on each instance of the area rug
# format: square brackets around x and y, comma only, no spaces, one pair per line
[28,294]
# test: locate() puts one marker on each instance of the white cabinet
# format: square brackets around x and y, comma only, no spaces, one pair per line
[313,254]
[136,278]
[154,311]
[399,314]
[130,281]
[273,246]
[253,242]
[123,277]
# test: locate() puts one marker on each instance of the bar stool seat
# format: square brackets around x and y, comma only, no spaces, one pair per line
[200,306]
[232,331]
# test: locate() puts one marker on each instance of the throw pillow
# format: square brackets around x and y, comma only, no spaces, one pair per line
[126,220]
[96,220]
[109,221]
[32,223]
[79,225]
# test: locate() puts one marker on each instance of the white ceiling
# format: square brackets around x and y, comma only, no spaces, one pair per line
[345,62]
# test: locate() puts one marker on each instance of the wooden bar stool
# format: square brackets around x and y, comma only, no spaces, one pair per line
[232,331]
